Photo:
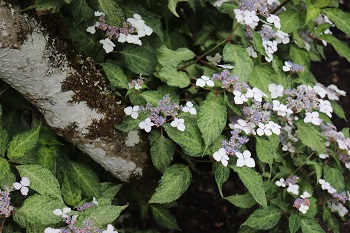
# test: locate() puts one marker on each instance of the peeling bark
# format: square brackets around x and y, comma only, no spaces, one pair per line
[31,62]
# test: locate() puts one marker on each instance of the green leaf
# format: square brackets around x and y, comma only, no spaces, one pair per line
[310,137]
[172,77]
[139,59]
[85,179]
[23,142]
[113,11]
[334,177]
[230,104]
[310,226]
[4,140]
[115,75]
[340,18]
[257,42]
[300,56]
[317,168]
[102,215]
[322,3]
[173,58]
[109,190]
[266,149]
[4,168]
[47,157]
[172,6]
[45,5]
[212,118]
[81,11]
[152,97]
[129,124]
[72,195]
[253,182]
[38,209]
[338,109]
[244,201]
[41,180]
[262,76]
[88,44]
[221,174]
[174,182]
[164,218]
[162,150]
[264,218]
[294,222]
[341,47]
[291,20]
[8,180]
[243,64]
[311,13]
[190,140]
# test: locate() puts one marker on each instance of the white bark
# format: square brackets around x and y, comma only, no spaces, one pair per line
[24,65]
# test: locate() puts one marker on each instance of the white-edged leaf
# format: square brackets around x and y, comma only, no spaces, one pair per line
[23,142]
[294,222]
[4,168]
[85,179]
[113,11]
[162,150]
[174,182]
[221,174]
[310,226]
[212,117]
[253,182]
[164,218]
[190,140]
[41,180]
[38,209]
[242,200]
[115,75]
[171,76]
[243,64]
[341,47]
[139,59]
[334,177]
[311,137]
[291,20]
[264,218]
[340,18]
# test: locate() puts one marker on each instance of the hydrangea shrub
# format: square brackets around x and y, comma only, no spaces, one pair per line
[228,82]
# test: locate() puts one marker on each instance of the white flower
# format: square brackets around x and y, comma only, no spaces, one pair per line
[141,28]
[239,97]
[251,52]
[221,156]
[303,208]
[270,46]
[94,201]
[282,37]
[276,90]
[179,123]
[288,147]
[326,186]
[189,108]
[22,185]
[255,93]
[110,229]
[275,20]
[321,91]
[245,159]
[91,29]
[132,111]
[108,45]
[214,60]
[281,109]
[146,124]
[52,230]
[281,183]
[62,213]
[335,88]
[218,3]
[227,66]
[313,118]
[98,14]
[323,156]
[246,17]
[305,194]
[325,107]
[293,188]
[287,66]
[243,125]
[203,81]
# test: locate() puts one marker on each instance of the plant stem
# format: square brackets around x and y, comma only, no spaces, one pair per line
[280,6]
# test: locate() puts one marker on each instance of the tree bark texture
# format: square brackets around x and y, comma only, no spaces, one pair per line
[70,93]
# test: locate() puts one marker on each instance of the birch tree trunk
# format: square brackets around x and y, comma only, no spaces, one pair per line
[70,93]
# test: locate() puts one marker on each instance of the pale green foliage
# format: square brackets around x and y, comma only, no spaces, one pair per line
[264,218]
[115,75]
[163,217]
[162,151]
